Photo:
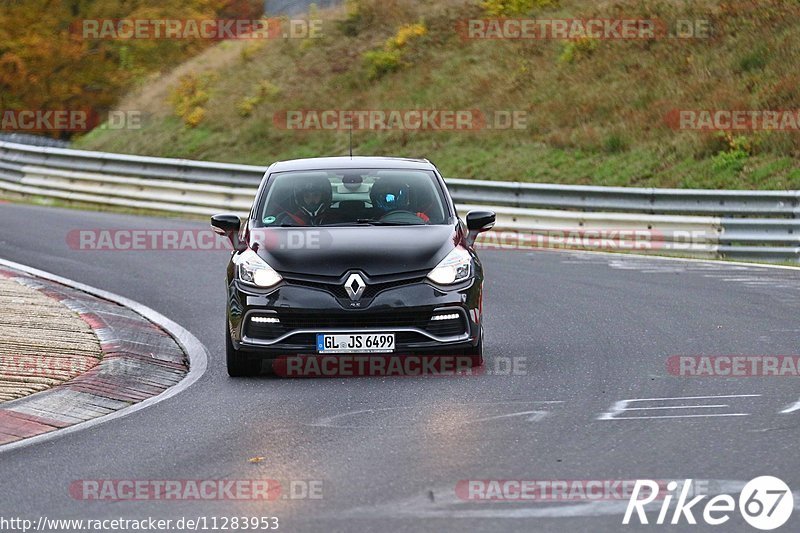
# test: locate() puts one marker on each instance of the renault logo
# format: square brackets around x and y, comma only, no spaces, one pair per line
[355,286]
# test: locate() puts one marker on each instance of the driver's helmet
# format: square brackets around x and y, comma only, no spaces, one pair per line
[390,195]
[313,195]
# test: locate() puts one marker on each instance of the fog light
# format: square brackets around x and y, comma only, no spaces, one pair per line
[451,316]
[264,320]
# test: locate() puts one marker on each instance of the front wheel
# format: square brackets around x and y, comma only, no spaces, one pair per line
[238,364]
[476,354]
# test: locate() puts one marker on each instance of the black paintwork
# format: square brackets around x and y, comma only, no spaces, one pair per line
[315,262]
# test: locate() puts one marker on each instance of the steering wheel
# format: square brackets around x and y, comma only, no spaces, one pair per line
[401,215]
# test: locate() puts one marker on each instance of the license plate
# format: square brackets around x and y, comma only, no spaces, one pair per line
[355,343]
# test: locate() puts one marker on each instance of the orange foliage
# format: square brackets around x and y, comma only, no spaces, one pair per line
[46,63]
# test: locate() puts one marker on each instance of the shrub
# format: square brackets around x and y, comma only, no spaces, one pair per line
[352,25]
[267,89]
[614,144]
[512,8]
[388,59]
[363,15]
[195,117]
[246,105]
[735,157]
[264,90]
[405,34]
[189,97]
[382,62]
[248,52]
[577,49]
[754,60]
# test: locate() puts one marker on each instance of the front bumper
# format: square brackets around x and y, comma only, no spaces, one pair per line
[286,319]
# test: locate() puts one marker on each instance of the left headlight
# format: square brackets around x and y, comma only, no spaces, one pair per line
[252,270]
[457,266]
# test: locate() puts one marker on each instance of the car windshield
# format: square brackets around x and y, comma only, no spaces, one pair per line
[353,197]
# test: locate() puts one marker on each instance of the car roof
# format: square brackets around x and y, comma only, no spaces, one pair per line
[355,162]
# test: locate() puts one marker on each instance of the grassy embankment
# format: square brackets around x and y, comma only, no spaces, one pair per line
[595,109]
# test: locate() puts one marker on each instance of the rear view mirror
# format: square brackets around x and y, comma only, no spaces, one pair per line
[480,220]
[477,222]
[229,226]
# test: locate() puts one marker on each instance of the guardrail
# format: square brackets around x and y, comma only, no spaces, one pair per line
[753,225]
[34,140]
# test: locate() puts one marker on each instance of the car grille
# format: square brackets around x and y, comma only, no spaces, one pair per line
[446,328]
[291,321]
[353,320]
[370,291]
[263,331]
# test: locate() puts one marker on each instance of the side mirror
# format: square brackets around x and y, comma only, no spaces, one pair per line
[229,226]
[477,222]
[480,221]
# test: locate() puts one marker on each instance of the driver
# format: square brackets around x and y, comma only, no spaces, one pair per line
[311,198]
[388,196]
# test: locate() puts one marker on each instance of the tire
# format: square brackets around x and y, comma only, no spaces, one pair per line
[476,354]
[238,364]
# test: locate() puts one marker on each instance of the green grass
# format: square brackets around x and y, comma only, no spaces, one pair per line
[596,119]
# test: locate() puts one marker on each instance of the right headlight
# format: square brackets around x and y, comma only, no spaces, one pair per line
[457,266]
[252,270]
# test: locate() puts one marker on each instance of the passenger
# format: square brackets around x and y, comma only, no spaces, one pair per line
[311,199]
[390,196]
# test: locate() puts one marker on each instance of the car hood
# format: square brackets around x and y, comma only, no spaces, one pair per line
[375,250]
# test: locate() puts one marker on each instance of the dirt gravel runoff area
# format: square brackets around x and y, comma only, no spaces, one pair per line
[43,343]
[68,357]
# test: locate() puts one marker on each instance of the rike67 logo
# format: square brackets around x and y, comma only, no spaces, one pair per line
[765,503]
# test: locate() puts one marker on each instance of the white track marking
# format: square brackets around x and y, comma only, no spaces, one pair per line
[675,407]
[533,416]
[694,397]
[697,262]
[707,415]
[623,406]
[792,408]
[335,421]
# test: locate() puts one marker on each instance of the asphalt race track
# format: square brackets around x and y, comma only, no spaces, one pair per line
[592,330]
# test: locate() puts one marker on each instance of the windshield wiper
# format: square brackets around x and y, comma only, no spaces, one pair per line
[374,222]
[370,221]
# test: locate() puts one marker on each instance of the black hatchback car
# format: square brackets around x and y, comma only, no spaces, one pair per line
[352,255]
